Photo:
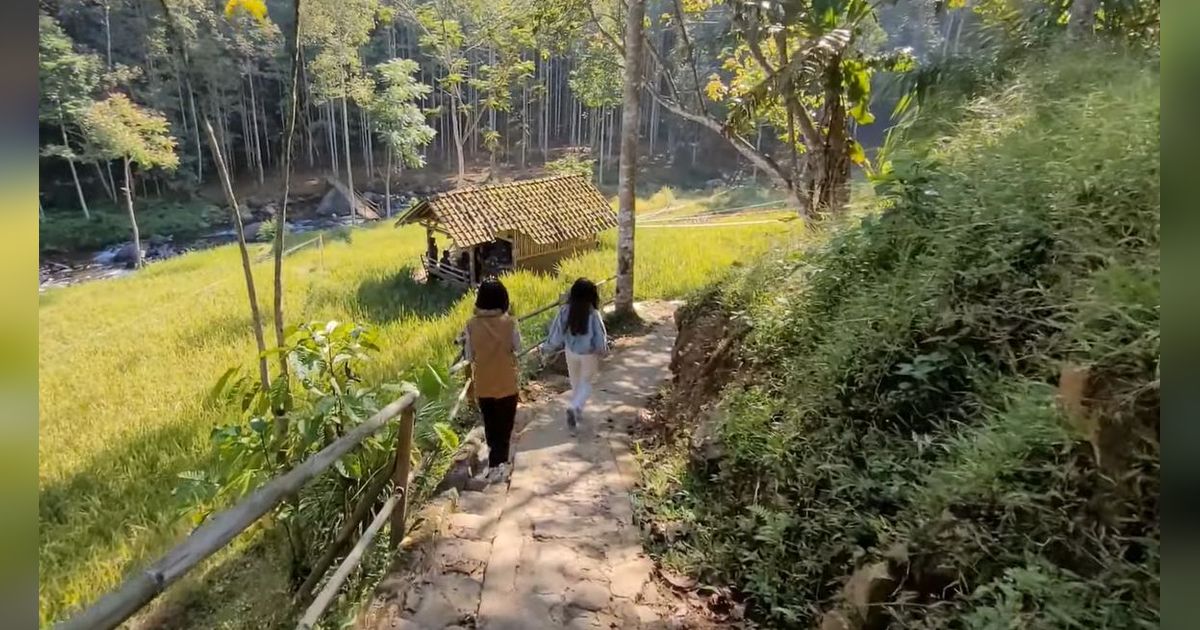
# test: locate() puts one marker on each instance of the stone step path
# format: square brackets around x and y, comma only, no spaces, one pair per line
[556,546]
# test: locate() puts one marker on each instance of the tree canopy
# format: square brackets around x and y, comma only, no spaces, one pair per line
[397,118]
[124,130]
[782,88]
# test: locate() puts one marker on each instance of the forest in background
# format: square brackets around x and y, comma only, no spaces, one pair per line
[510,84]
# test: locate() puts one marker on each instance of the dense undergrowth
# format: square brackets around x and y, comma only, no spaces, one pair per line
[63,231]
[961,391]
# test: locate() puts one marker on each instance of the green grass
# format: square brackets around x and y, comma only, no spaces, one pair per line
[897,386]
[124,366]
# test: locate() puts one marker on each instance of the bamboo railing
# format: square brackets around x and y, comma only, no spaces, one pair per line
[218,531]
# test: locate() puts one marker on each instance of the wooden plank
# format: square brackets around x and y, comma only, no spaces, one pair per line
[117,606]
[447,274]
[353,559]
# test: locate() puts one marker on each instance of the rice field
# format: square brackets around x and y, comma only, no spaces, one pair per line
[124,366]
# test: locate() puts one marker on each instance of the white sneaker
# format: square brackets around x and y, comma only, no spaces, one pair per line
[498,474]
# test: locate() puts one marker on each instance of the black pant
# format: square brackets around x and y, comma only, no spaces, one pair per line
[498,415]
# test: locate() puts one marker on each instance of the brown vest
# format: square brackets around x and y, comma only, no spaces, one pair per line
[495,366]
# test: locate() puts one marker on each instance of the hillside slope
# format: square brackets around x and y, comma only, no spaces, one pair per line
[945,415]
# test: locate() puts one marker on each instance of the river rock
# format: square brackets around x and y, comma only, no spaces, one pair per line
[127,255]
[252,230]
[160,248]
[333,204]
[863,595]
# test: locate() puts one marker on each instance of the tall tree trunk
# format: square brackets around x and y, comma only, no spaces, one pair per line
[833,177]
[654,108]
[74,173]
[626,185]
[112,179]
[137,238]
[258,152]
[308,126]
[545,109]
[255,314]
[108,33]
[757,147]
[109,189]
[525,129]
[612,131]
[264,129]
[331,137]
[367,143]
[247,133]
[349,165]
[458,139]
[196,128]
[475,133]
[598,138]
[183,117]
[387,185]
[957,34]
[1082,17]
[281,217]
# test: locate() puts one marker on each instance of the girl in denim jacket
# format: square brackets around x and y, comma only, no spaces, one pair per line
[579,330]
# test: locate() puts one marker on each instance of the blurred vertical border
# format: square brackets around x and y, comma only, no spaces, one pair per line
[18,315]
[1180,299]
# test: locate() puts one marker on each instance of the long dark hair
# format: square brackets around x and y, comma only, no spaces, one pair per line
[583,299]
[491,296]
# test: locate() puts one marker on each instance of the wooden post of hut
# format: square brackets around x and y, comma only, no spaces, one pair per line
[531,224]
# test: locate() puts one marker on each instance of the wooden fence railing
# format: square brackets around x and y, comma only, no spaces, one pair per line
[219,530]
[445,272]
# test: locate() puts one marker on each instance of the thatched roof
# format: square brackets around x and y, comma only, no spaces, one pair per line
[549,210]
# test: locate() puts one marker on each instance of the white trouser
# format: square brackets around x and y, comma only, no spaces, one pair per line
[582,368]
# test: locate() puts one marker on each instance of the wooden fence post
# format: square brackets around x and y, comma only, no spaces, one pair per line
[404,442]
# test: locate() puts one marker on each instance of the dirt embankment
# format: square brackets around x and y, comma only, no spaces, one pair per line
[705,359]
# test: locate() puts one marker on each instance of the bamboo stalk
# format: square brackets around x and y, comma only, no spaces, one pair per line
[400,475]
[353,559]
[361,510]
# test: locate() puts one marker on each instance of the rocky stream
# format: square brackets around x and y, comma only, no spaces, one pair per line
[306,214]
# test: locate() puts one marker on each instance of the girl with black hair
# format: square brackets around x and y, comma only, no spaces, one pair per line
[579,329]
[491,342]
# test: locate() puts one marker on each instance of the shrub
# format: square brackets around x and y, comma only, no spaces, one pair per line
[900,385]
